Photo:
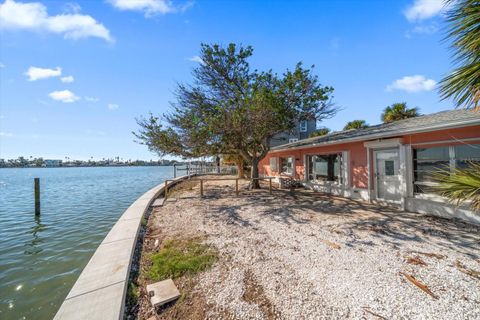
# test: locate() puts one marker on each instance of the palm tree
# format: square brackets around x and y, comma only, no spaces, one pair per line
[463,83]
[398,111]
[461,185]
[319,132]
[356,124]
[463,86]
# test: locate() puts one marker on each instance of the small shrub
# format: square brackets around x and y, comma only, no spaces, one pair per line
[179,257]
[132,294]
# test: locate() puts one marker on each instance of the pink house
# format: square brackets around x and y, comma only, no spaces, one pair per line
[388,163]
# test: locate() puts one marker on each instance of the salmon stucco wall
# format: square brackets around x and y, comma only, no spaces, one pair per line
[358,171]
[441,136]
[358,161]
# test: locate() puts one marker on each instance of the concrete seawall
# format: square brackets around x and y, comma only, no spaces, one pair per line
[99,292]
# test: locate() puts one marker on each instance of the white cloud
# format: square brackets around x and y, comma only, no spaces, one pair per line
[424,9]
[71,7]
[2,65]
[113,106]
[149,7]
[68,79]
[196,59]
[36,73]
[65,96]
[33,16]
[414,83]
[426,29]
[423,29]
[6,134]
[92,99]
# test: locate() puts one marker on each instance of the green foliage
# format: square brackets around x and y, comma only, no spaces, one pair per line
[463,83]
[179,257]
[319,132]
[132,292]
[398,111]
[356,124]
[460,186]
[231,109]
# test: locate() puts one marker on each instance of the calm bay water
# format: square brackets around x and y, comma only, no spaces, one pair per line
[40,258]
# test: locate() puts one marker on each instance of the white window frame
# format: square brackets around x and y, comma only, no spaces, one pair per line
[280,165]
[341,177]
[303,126]
[452,164]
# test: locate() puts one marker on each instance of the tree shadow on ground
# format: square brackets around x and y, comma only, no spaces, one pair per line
[386,225]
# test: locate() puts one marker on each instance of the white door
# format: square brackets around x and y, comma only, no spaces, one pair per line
[387,175]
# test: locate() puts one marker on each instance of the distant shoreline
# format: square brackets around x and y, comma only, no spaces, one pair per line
[59,167]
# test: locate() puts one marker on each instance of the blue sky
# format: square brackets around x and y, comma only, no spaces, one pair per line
[125,57]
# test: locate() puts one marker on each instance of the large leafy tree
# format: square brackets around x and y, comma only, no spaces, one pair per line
[463,83]
[231,109]
[356,124]
[398,111]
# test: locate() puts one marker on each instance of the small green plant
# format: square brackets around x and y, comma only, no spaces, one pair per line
[132,293]
[461,185]
[179,257]
[144,221]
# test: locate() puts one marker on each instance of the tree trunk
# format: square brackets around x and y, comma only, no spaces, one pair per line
[254,184]
[240,168]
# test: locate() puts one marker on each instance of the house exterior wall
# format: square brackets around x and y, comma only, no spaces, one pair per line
[358,161]
[284,137]
[359,164]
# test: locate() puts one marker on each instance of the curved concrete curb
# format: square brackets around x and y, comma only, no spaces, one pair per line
[99,292]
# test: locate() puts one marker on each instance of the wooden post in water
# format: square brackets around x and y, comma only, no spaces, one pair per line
[201,188]
[37,195]
[270,185]
[236,186]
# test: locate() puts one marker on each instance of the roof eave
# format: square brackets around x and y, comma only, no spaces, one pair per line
[451,125]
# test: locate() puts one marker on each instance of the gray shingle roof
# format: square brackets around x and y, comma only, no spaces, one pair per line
[434,121]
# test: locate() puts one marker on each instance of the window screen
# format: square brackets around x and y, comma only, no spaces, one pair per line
[426,161]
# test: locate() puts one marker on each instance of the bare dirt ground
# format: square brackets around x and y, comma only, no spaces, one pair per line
[312,256]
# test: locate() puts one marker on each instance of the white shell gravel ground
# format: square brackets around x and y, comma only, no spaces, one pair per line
[323,257]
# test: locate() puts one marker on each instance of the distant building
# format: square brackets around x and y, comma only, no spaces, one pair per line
[52,163]
[302,130]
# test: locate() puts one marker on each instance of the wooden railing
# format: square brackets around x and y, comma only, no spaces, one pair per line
[237,192]
[204,169]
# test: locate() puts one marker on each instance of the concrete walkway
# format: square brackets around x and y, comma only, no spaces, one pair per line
[99,292]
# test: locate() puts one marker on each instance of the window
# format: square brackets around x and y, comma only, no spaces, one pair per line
[273,164]
[303,126]
[286,165]
[326,167]
[389,167]
[292,140]
[429,160]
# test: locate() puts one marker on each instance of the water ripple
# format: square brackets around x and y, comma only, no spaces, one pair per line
[40,258]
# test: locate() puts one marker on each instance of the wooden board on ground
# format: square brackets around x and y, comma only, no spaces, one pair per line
[158,202]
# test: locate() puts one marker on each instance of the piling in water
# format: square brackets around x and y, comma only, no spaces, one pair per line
[37,196]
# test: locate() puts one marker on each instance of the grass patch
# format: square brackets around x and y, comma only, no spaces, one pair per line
[180,257]
[133,294]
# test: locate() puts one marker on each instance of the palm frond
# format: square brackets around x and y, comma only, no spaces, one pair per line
[461,185]
[463,83]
